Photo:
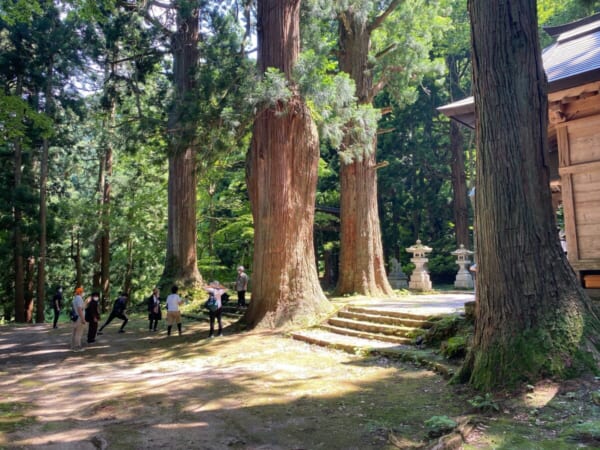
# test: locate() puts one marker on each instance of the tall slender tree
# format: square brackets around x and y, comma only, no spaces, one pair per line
[533,319]
[282,175]
[373,68]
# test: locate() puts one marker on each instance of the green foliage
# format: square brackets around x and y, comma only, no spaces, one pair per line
[439,425]
[271,90]
[455,347]
[485,403]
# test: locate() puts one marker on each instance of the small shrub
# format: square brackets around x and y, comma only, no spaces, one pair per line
[455,347]
[485,403]
[439,425]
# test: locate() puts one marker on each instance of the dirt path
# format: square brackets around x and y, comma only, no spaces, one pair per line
[243,391]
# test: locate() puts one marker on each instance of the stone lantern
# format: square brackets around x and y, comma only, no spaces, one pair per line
[419,280]
[463,280]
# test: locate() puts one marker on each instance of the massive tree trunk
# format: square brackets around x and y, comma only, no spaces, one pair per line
[532,319]
[282,177]
[362,267]
[181,264]
[17,224]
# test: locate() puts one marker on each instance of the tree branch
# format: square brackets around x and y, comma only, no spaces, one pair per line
[381,18]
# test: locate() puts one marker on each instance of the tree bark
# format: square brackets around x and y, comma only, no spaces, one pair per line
[459,187]
[282,177]
[532,318]
[362,265]
[29,288]
[76,256]
[181,264]
[459,180]
[41,272]
[17,224]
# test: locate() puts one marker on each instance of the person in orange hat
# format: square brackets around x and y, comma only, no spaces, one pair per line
[78,318]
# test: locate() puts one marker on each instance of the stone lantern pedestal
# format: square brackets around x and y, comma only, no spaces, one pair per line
[463,280]
[419,280]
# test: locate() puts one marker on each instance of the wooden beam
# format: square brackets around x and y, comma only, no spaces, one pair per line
[593,166]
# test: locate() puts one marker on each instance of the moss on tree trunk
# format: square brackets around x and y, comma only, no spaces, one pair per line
[532,318]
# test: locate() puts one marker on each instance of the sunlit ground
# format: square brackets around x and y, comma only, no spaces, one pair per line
[245,390]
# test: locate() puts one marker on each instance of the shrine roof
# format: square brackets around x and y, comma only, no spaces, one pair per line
[572,60]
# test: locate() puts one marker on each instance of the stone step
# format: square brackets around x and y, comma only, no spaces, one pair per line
[371,327]
[389,320]
[388,313]
[399,340]
[354,345]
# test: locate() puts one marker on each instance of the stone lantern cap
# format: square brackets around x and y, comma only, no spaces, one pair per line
[462,252]
[419,249]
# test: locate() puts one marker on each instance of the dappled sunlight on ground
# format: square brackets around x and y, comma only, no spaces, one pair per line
[244,390]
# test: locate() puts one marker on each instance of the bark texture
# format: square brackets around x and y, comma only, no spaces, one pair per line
[362,265]
[532,318]
[282,177]
[459,187]
[181,264]
[19,263]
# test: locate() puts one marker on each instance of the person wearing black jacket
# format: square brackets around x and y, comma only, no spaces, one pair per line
[57,305]
[92,317]
[154,312]
[118,311]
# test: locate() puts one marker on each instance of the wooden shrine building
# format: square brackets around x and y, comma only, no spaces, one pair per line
[572,65]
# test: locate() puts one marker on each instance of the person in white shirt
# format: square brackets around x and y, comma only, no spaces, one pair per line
[173,314]
[217,290]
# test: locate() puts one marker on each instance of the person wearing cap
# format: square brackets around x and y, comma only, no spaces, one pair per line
[217,290]
[57,305]
[241,285]
[79,323]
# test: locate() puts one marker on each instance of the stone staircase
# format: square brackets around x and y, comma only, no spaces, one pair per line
[368,330]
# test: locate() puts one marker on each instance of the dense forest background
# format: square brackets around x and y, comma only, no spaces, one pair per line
[87,94]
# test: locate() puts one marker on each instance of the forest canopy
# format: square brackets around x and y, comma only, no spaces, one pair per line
[93,116]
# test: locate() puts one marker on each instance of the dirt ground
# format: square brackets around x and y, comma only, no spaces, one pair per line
[251,391]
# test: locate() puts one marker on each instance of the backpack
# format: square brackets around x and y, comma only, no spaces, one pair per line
[211,303]
[74,315]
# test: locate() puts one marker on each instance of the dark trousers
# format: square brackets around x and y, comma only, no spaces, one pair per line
[56,314]
[241,298]
[92,330]
[113,315]
[215,315]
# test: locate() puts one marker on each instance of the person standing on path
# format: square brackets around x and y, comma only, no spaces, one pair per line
[92,316]
[215,289]
[79,323]
[241,285]
[154,312]
[57,305]
[118,311]
[173,313]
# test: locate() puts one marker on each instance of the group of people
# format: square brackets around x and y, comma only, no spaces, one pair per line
[88,311]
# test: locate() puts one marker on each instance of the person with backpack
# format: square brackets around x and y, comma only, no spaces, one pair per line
[92,316]
[78,319]
[154,312]
[214,304]
[57,305]
[118,311]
